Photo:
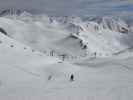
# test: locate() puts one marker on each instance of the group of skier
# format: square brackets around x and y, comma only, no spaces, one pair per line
[71,78]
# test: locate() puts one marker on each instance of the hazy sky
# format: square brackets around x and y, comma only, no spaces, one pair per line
[72,7]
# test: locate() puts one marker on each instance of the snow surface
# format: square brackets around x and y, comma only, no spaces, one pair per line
[27,72]
[24,76]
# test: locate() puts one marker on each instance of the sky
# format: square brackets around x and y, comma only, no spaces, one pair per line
[72,7]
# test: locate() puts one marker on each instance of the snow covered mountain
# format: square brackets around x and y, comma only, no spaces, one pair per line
[7,12]
[68,35]
[28,75]
[28,70]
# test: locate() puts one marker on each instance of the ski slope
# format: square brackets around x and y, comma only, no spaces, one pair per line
[24,75]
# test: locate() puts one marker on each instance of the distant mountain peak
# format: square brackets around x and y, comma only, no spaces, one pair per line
[12,11]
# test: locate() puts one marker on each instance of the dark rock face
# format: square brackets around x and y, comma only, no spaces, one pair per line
[10,12]
[3,31]
[124,30]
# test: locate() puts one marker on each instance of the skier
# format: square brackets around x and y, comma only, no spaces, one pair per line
[49,77]
[95,54]
[72,77]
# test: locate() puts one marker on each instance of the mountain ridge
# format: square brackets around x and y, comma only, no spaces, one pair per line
[105,34]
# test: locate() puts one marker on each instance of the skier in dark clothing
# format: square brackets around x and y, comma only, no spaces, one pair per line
[72,77]
[49,77]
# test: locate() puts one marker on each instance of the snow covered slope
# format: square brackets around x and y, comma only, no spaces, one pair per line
[22,69]
[65,35]
[28,75]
